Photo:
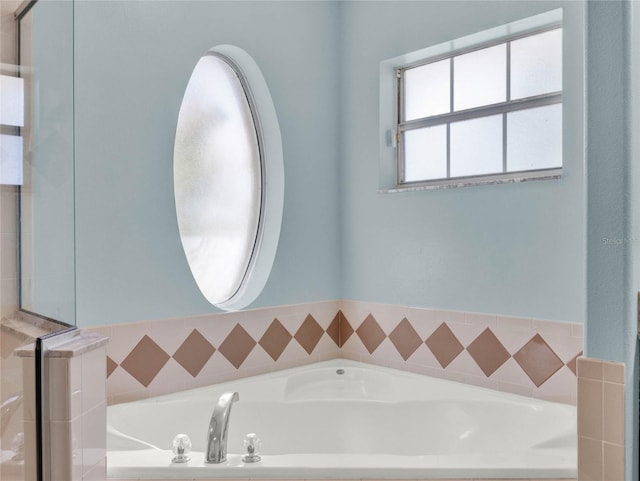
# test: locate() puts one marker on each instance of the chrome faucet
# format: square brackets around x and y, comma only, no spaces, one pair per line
[218,426]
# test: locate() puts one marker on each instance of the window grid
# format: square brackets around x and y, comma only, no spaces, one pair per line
[452,116]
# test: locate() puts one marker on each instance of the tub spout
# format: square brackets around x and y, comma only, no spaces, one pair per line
[218,426]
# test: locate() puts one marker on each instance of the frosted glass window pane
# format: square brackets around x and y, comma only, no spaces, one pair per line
[11,101]
[427,90]
[536,64]
[476,146]
[534,138]
[10,160]
[479,78]
[218,181]
[425,153]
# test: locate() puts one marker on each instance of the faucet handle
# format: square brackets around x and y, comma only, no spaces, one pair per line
[181,449]
[251,445]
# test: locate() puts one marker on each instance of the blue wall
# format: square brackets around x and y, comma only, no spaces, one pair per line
[613,201]
[132,64]
[513,249]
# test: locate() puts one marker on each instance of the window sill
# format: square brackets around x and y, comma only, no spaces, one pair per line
[509,178]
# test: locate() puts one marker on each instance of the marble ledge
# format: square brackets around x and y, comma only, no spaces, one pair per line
[79,343]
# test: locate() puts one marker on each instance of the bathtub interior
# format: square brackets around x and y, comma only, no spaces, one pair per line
[363,412]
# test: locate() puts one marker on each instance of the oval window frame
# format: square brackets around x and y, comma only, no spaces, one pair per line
[267,129]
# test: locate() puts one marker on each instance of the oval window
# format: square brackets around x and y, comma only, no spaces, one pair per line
[228,177]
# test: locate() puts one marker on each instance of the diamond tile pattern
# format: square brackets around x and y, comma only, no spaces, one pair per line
[405,338]
[488,352]
[333,331]
[275,339]
[145,361]
[536,357]
[573,363]
[194,353]
[370,333]
[538,360]
[111,366]
[309,334]
[237,346]
[444,345]
[340,330]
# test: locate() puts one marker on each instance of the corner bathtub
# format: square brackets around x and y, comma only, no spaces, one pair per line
[369,422]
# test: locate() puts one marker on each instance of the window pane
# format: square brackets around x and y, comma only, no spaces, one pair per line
[476,146]
[425,154]
[536,64]
[217,178]
[480,78]
[534,138]
[427,90]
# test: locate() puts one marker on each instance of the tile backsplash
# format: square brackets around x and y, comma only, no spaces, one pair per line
[525,356]
[601,426]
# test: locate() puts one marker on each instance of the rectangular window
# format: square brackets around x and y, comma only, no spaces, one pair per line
[489,112]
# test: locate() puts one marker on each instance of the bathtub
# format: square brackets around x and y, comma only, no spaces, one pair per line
[343,419]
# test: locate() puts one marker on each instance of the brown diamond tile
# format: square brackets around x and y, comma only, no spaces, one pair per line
[339,330]
[111,366]
[309,334]
[345,329]
[370,333]
[444,345]
[405,338]
[488,352]
[237,346]
[572,365]
[194,353]
[275,339]
[538,360]
[145,361]
[333,331]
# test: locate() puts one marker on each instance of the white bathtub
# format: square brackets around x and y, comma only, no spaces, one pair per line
[370,422]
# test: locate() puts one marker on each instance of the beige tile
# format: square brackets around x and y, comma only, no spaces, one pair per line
[613,413]
[590,462]
[8,257]
[93,378]
[30,447]
[59,398]
[94,444]
[515,323]
[482,320]
[590,368]
[29,392]
[553,328]
[512,339]
[613,372]
[466,333]
[613,458]
[61,450]
[561,387]
[590,408]
[451,316]
[97,472]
